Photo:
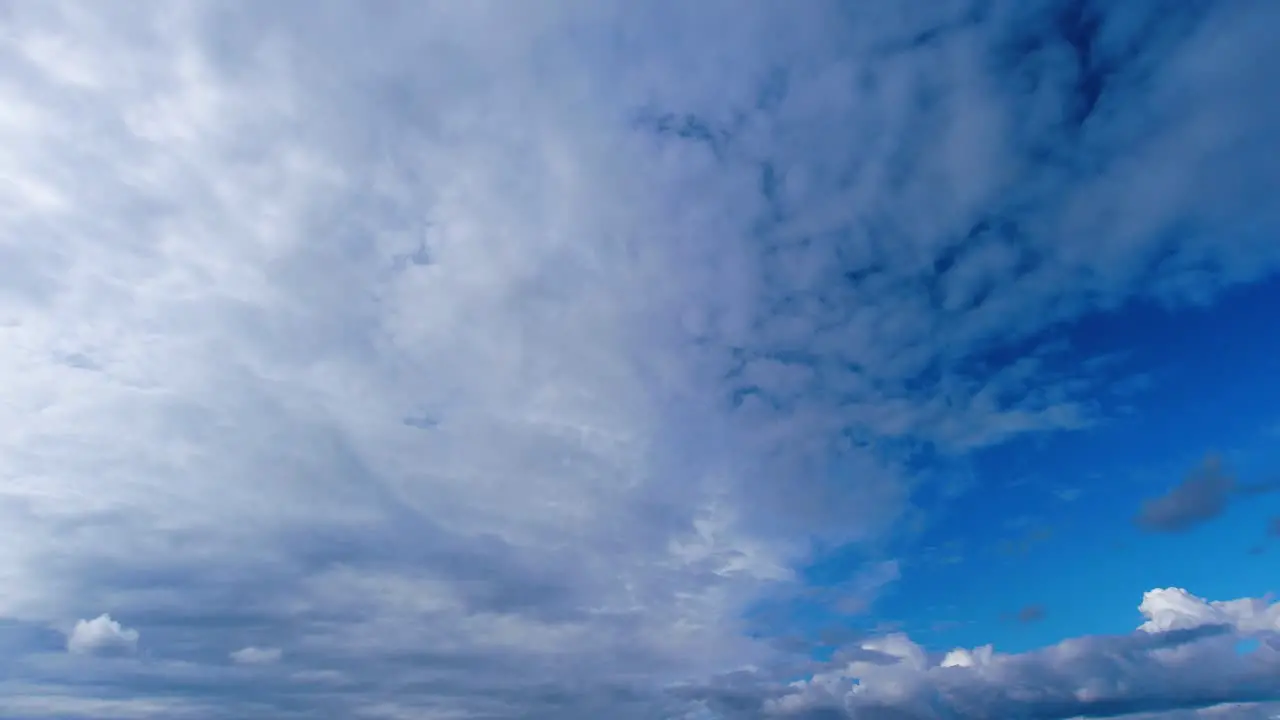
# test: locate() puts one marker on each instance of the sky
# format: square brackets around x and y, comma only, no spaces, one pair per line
[724,360]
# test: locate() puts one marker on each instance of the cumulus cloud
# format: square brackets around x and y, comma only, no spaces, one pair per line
[498,357]
[1176,609]
[101,636]
[256,656]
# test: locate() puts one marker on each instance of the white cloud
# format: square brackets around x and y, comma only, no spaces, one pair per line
[256,656]
[101,635]
[242,243]
[1176,609]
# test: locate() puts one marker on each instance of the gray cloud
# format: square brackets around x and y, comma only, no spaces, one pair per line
[1181,662]
[1200,497]
[1030,614]
[1203,495]
[467,349]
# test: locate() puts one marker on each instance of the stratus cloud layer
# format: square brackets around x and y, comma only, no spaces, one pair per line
[461,350]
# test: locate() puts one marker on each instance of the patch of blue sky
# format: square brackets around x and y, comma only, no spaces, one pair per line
[1047,520]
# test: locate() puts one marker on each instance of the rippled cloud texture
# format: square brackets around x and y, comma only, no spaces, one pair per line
[492,360]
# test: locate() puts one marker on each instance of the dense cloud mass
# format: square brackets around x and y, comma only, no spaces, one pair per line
[495,360]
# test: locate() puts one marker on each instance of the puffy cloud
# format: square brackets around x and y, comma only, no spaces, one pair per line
[101,635]
[497,358]
[1176,609]
[256,656]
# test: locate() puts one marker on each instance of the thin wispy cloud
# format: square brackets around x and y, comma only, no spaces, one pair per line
[497,360]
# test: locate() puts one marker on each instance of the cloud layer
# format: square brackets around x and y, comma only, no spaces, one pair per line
[1184,657]
[494,360]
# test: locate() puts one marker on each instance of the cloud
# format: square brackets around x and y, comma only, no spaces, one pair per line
[101,636]
[1182,659]
[497,361]
[1068,495]
[38,702]
[855,595]
[1027,541]
[1201,497]
[1176,609]
[256,656]
[1030,614]
[1226,711]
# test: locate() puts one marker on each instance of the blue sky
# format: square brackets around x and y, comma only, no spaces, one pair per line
[697,361]
[1050,515]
